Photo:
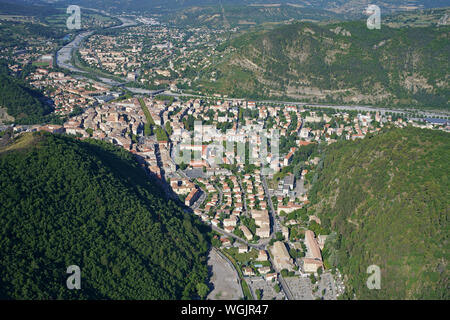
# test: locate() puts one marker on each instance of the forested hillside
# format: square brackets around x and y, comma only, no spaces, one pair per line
[337,63]
[351,6]
[67,202]
[23,103]
[387,200]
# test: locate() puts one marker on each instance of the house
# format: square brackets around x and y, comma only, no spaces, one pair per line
[261,219]
[246,232]
[262,255]
[312,246]
[229,229]
[225,242]
[131,76]
[247,271]
[311,265]
[313,259]
[289,157]
[281,257]
[264,270]
[251,105]
[230,222]
[289,208]
[263,232]
[52,129]
[192,197]
[271,276]
[289,181]
[242,248]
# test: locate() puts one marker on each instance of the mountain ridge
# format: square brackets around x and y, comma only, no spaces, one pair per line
[337,63]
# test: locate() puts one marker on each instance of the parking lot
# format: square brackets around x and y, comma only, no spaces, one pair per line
[327,283]
[224,279]
[267,287]
[300,288]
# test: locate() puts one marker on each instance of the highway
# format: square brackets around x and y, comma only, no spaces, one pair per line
[427,113]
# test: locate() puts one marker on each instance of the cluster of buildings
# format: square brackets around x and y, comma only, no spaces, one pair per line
[66,92]
[151,53]
[187,188]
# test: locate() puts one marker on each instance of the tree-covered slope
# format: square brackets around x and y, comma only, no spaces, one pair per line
[387,199]
[340,63]
[20,100]
[67,202]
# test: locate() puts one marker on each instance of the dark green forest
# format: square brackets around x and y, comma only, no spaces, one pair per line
[387,200]
[88,203]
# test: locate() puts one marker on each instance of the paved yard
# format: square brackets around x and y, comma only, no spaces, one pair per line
[300,287]
[327,283]
[224,279]
[268,292]
[300,187]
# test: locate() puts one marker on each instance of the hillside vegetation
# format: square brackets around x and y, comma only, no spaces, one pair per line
[337,63]
[20,100]
[387,200]
[67,202]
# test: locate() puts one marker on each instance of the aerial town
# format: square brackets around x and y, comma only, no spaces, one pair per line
[258,214]
[243,167]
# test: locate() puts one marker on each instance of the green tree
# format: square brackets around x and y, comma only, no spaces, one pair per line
[202,290]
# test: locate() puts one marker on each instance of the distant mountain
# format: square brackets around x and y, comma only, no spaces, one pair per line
[18,8]
[387,200]
[67,202]
[245,16]
[340,63]
[340,6]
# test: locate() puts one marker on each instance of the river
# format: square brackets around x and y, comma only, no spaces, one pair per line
[64,55]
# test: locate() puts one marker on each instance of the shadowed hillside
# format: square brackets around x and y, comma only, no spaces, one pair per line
[67,202]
